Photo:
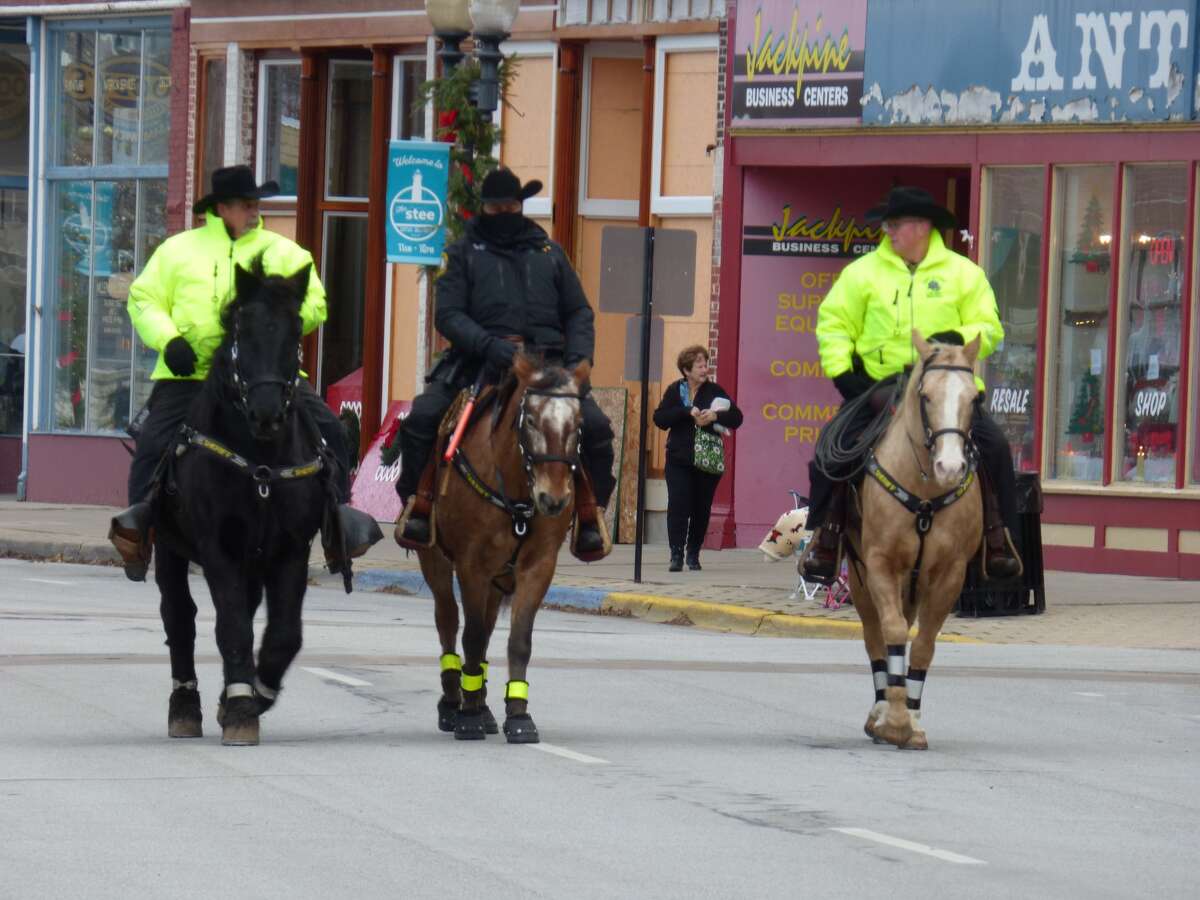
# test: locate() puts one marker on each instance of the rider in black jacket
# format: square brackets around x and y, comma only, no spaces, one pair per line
[505,281]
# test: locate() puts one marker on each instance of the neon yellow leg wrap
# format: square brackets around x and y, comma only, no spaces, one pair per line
[483,665]
[451,662]
[471,682]
[516,690]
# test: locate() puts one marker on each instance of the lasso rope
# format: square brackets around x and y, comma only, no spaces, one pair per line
[841,463]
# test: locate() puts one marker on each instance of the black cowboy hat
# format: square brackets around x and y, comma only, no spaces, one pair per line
[912,201]
[234,183]
[502,185]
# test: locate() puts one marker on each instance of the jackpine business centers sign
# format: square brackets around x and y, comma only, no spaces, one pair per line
[800,63]
[418,178]
[797,63]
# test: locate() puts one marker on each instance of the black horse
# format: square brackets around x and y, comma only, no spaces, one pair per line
[244,493]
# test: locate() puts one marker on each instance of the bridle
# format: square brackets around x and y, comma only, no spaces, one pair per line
[244,386]
[529,459]
[931,436]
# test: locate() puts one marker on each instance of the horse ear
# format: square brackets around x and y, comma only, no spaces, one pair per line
[298,282]
[244,282]
[921,344]
[581,373]
[523,366]
[972,350]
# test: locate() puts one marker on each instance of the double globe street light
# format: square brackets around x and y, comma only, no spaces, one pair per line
[488,22]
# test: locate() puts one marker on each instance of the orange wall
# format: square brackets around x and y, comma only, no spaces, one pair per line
[614,129]
[690,123]
[527,119]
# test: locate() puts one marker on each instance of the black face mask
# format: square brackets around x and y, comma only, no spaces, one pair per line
[502,226]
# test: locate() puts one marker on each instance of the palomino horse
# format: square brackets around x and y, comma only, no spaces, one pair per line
[503,546]
[244,494]
[921,525]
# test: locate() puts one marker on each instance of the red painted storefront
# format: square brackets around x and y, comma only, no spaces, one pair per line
[1109,526]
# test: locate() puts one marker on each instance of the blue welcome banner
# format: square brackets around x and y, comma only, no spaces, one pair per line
[418,177]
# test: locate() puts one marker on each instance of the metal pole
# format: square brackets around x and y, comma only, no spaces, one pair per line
[647,311]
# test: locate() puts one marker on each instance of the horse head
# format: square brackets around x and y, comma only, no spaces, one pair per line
[549,418]
[262,337]
[944,388]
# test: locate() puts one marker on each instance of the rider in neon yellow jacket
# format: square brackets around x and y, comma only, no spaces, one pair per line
[184,286]
[175,304]
[864,331]
[877,301]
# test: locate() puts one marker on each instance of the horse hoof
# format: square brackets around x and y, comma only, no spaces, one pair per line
[897,735]
[918,741]
[243,734]
[469,726]
[489,721]
[447,714]
[183,714]
[239,721]
[521,730]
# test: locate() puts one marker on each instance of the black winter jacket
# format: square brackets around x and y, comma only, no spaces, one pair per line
[676,419]
[525,286]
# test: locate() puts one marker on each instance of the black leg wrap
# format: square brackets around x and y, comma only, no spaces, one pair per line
[916,682]
[895,665]
[879,676]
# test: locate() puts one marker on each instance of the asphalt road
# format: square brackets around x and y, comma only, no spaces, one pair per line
[677,763]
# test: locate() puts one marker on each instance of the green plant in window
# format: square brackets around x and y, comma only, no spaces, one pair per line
[1091,251]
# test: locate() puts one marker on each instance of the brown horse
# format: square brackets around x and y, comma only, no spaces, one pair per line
[921,523]
[503,545]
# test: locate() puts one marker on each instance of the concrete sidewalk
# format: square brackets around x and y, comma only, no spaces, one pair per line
[737,591]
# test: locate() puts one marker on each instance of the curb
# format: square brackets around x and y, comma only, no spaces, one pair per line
[722,617]
[92,554]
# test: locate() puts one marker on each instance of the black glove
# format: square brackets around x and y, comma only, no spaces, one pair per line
[500,354]
[948,337]
[180,357]
[852,384]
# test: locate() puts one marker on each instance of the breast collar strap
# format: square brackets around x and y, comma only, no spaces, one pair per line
[262,476]
[923,509]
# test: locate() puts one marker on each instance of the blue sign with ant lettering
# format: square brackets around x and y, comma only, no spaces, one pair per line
[418,177]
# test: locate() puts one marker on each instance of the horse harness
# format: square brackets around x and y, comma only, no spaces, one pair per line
[520,511]
[244,387]
[924,509]
[262,476]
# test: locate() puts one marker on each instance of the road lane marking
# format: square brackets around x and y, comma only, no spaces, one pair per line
[1086,694]
[925,849]
[569,754]
[51,581]
[334,676]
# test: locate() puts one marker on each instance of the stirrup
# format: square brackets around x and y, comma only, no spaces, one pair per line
[132,534]
[820,575]
[1013,555]
[359,530]
[601,527]
[406,542]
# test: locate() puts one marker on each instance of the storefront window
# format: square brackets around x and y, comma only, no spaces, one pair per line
[76,98]
[347,154]
[344,248]
[14,226]
[1152,265]
[279,124]
[1012,257]
[1083,219]
[101,229]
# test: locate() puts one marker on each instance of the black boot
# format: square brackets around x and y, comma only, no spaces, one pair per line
[130,534]
[693,560]
[676,560]
[416,529]
[821,561]
[1000,559]
[589,539]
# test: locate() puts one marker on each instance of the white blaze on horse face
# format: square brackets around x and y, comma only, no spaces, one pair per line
[554,418]
[949,453]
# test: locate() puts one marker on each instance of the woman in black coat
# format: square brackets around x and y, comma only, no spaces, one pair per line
[685,406]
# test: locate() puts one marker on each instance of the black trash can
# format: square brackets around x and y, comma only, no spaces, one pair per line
[1013,596]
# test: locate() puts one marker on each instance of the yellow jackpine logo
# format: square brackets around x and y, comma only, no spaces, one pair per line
[835,228]
[774,54]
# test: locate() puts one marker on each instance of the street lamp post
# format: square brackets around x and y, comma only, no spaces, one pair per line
[489,23]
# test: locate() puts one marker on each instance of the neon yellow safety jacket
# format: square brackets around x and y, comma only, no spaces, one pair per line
[189,279]
[876,302]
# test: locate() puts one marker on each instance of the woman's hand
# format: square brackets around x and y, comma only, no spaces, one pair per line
[706,418]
